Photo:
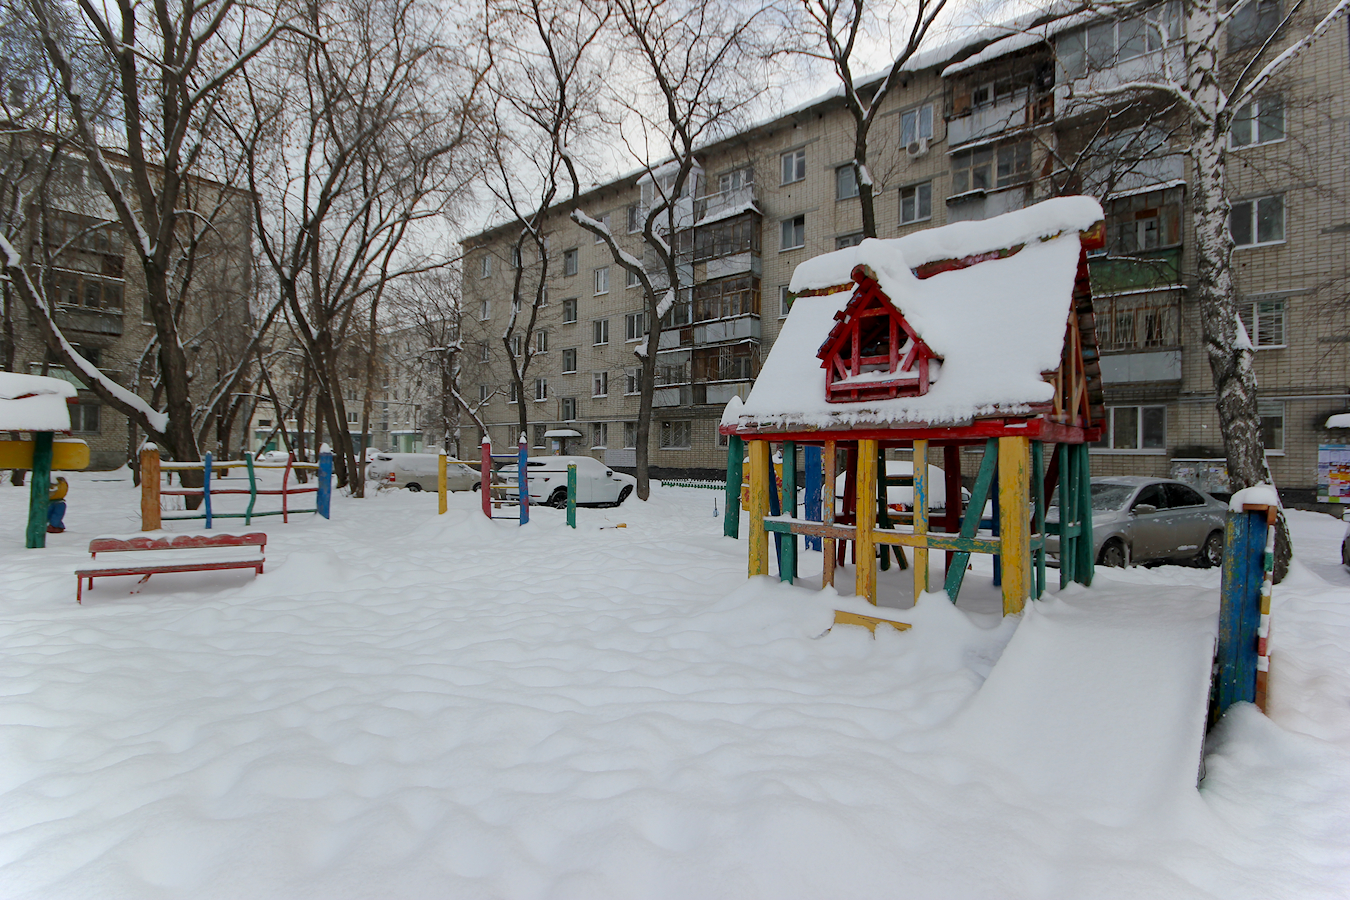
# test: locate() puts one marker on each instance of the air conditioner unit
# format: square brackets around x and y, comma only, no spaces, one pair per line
[917,148]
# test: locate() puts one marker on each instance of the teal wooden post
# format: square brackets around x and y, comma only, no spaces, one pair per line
[252,489]
[956,572]
[787,564]
[811,510]
[324,498]
[1084,566]
[39,486]
[1068,515]
[731,518]
[206,487]
[1244,547]
[571,495]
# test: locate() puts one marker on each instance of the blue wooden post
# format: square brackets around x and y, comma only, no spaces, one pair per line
[39,486]
[1244,547]
[523,479]
[813,484]
[206,487]
[731,517]
[787,566]
[324,499]
[571,495]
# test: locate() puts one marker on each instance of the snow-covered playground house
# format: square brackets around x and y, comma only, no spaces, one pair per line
[974,334]
[37,404]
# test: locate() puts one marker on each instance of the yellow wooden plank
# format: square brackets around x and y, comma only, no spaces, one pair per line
[1014,513]
[150,489]
[440,484]
[66,455]
[866,491]
[868,622]
[921,488]
[758,506]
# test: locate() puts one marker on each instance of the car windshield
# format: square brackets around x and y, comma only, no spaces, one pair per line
[1105,496]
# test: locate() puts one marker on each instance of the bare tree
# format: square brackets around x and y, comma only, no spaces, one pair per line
[695,62]
[359,142]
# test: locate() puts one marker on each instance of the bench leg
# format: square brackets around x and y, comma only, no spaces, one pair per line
[144,579]
[79,589]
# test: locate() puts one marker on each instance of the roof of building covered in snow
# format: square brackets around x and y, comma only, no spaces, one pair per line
[997,324]
[34,403]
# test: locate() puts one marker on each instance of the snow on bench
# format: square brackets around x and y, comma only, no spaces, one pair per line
[146,556]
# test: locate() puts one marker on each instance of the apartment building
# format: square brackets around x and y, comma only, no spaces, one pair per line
[974,130]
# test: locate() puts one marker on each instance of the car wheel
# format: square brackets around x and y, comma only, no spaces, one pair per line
[414,487]
[558,499]
[478,485]
[1211,554]
[623,494]
[1113,554]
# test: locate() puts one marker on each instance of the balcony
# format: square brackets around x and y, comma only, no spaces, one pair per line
[89,321]
[1008,114]
[725,330]
[712,207]
[1139,336]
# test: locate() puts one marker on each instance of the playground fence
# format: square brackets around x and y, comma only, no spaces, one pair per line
[152,490]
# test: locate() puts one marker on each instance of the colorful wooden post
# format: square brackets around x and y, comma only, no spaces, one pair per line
[951,474]
[731,521]
[1240,606]
[865,570]
[920,516]
[485,476]
[1038,512]
[523,478]
[252,488]
[1084,566]
[150,488]
[827,510]
[761,474]
[1014,463]
[443,501]
[787,559]
[40,485]
[324,497]
[571,495]
[206,487]
[811,509]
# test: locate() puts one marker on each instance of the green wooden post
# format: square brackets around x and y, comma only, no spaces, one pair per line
[1084,566]
[1038,501]
[1068,514]
[571,495]
[252,488]
[956,573]
[40,483]
[787,564]
[731,518]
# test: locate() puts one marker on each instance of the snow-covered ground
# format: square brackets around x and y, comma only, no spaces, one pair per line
[414,706]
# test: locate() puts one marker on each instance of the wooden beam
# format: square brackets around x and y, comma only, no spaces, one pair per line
[865,569]
[1014,464]
[150,520]
[920,516]
[66,455]
[827,503]
[868,622]
[731,520]
[956,572]
[787,561]
[40,483]
[933,540]
[760,478]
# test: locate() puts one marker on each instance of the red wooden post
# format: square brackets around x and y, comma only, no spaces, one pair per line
[485,476]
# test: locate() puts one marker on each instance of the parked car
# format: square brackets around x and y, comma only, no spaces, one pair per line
[419,471]
[597,483]
[1137,519]
[1345,541]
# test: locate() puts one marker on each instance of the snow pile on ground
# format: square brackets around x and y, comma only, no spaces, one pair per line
[410,706]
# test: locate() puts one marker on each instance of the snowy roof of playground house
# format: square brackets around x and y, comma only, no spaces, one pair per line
[34,403]
[997,324]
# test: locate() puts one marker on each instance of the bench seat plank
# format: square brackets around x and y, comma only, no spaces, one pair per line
[148,555]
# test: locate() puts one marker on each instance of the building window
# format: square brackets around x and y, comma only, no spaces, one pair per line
[984,168]
[484,309]
[539,439]
[629,435]
[794,166]
[1252,24]
[517,345]
[84,417]
[1265,323]
[484,352]
[1258,122]
[785,298]
[1272,424]
[916,203]
[541,389]
[601,329]
[483,392]
[1013,164]
[569,311]
[264,423]
[916,123]
[515,394]
[599,384]
[541,342]
[602,280]
[1259,221]
[603,220]
[675,435]
[569,360]
[723,440]
[1134,428]
[570,262]
[736,179]
[1108,42]
[631,279]
[634,218]
[569,409]
[845,183]
[634,326]
[794,233]
[848,240]
[485,266]
[632,381]
[599,435]
[1144,222]
[515,257]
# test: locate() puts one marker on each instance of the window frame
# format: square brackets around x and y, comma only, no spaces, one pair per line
[1266,410]
[840,188]
[640,318]
[915,189]
[485,266]
[1109,436]
[671,432]
[792,165]
[1254,221]
[785,300]
[1253,317]
[569,361]
[568,409]
[570,311]
[798,225]
[599,435]
[571,262]
[916,112]
[540,389]
[603,220]
[600,383]
[601,276]
[599,326]
[1256,108]
[484,310]
[86,409]
[632,381]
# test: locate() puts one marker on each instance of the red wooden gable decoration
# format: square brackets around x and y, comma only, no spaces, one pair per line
[872,353]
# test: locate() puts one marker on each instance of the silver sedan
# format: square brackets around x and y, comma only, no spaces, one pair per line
[1137,519]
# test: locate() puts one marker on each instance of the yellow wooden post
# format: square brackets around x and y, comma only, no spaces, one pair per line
[866,490]
[150,488]
[440,483]
[827,512]
[1014,486]
[759,506]
[921,488]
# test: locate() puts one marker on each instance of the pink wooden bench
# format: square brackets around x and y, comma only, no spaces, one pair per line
[148,556]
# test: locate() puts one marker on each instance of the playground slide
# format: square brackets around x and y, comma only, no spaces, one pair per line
[1098,702]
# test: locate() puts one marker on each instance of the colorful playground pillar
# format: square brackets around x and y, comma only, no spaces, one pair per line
[812,502]
[571,495]
[1244,610]
[523,478]
[150,520]
[324,498]
[443,502]
[731,521]
[40,482]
